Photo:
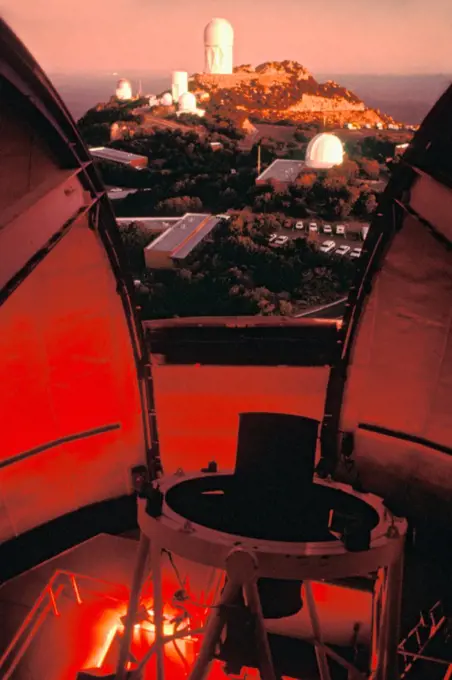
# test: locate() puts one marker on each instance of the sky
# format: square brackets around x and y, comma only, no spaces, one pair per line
[158,36]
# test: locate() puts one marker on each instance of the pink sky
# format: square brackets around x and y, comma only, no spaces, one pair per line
[337,36]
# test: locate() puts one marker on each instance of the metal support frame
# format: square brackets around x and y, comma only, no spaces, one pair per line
[322,659]
[244,565]
[387,668]
[138,577]
[432,623]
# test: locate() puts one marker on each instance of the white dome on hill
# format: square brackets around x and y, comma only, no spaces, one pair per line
[218,47]
[187,102]
[167,99]
[324,151]
[123,90]
[218,32]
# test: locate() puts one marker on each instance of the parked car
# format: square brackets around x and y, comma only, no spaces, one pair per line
[327,229]
[340,230]
[281,240]
[356,252]
[287,224]
[327,247]
[313,226]
[342,250]
[299,226]
[273,238]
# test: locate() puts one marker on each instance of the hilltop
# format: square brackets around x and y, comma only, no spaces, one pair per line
[283,90]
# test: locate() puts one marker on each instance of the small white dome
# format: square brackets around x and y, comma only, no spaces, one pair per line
[324,151]
[187,102]
[219,32]
[167,99]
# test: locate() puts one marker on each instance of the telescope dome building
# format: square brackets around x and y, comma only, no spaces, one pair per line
[218,47]
[324,151]
[187,102]
[167,99]
[123,90]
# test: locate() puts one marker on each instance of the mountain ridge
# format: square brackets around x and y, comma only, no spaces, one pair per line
[276,90]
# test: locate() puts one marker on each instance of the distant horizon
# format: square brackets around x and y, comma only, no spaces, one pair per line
[163,74]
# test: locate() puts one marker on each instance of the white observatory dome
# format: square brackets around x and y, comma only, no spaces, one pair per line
[187,102]
[218,46]
[123,90]
[167,99]
[219,32]
[324,151]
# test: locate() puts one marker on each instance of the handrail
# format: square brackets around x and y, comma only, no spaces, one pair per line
[38,614]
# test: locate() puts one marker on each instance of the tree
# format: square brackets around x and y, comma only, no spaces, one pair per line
[179,206]
[135,240]
[370,168]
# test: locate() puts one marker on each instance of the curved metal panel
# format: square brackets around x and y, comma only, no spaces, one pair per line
[391,383]
[75,405]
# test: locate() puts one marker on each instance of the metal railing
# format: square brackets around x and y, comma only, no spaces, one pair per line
[419,637]
[46,603]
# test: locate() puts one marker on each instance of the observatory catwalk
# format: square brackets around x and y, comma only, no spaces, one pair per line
[218,497]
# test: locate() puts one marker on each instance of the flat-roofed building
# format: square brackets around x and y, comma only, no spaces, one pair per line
[179,241]
[281,173]
[118,193]
[153,225]
[132,160]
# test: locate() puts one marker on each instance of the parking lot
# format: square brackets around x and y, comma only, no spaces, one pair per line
[351,237]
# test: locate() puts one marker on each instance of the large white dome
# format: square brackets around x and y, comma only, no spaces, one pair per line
[187,102]
[167,99]
[123,89]
[324,151]
[219,32]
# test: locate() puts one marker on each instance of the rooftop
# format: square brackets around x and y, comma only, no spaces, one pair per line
[151,223]
[282,171]
[116,155]
[185,234]
[117,193]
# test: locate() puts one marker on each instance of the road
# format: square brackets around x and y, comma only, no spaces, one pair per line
[334,310]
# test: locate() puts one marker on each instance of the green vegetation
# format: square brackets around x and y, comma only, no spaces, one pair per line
[186,175]
[238,272]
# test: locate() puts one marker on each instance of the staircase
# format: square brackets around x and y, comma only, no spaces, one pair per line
[427,649]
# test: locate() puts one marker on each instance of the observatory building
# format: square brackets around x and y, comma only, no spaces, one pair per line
[219,47]
[217,494]
[187,103]
[324,151]
[123,90]
[167,99]
[179,84]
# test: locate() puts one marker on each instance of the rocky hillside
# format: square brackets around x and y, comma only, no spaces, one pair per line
[282,90]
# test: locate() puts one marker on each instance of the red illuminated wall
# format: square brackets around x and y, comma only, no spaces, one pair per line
[198,406]
[400,377]
[67,368]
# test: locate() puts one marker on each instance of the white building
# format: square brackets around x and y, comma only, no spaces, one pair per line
[167,99]
[175,244]
[218,47]
[187,103]
[179,84]
[123,90]
[324,151]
